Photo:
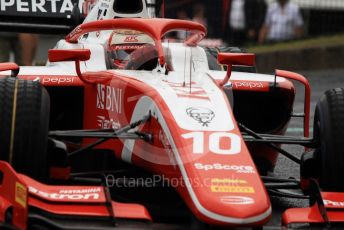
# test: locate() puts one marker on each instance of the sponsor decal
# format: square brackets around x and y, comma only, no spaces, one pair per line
[219,166]
[104,123]
[21,194]
[109,98]
[227,181]
[100,11]
[248,84]
[38,6]
[189,91]
[80,191]
[73,194]
[100,96]
[57,80]
[236,200]
[126,47]
[334,203]
[231,189]
[230,185]
[201,114]
[131,38]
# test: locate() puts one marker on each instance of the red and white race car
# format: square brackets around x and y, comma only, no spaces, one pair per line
[126,122]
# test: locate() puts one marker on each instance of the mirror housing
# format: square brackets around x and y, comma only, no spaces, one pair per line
[230,59]
[247,59]
[76,55]
[56,55]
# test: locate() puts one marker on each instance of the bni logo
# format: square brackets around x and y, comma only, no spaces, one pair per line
[109,98]
[101,96]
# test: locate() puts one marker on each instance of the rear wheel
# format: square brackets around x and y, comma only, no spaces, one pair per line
[24,121]
[329,131]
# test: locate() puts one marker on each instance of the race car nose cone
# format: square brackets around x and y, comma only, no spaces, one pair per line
[226,191]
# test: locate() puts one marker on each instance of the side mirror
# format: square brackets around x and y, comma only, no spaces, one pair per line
[55,55]
[76,55]
[230,59]
[247,59]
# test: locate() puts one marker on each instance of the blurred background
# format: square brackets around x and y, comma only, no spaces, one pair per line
[288,34]
[321,17]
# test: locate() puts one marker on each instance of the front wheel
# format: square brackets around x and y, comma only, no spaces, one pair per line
[329,132]
[24,121]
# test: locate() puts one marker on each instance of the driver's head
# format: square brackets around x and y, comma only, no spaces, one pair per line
[122,43]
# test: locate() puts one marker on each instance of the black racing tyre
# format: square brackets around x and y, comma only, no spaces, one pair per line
[329,131]
[24,122]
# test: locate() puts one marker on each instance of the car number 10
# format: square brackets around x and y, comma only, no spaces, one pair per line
[199,142]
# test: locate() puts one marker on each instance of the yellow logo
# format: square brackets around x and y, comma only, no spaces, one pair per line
[227,181]
[21,194]
[231,189]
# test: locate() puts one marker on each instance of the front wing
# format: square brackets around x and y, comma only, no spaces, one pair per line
[25,202]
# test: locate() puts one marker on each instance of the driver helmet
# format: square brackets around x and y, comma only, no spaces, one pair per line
[122,43]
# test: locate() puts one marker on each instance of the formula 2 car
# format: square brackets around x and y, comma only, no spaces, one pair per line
[125,122]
